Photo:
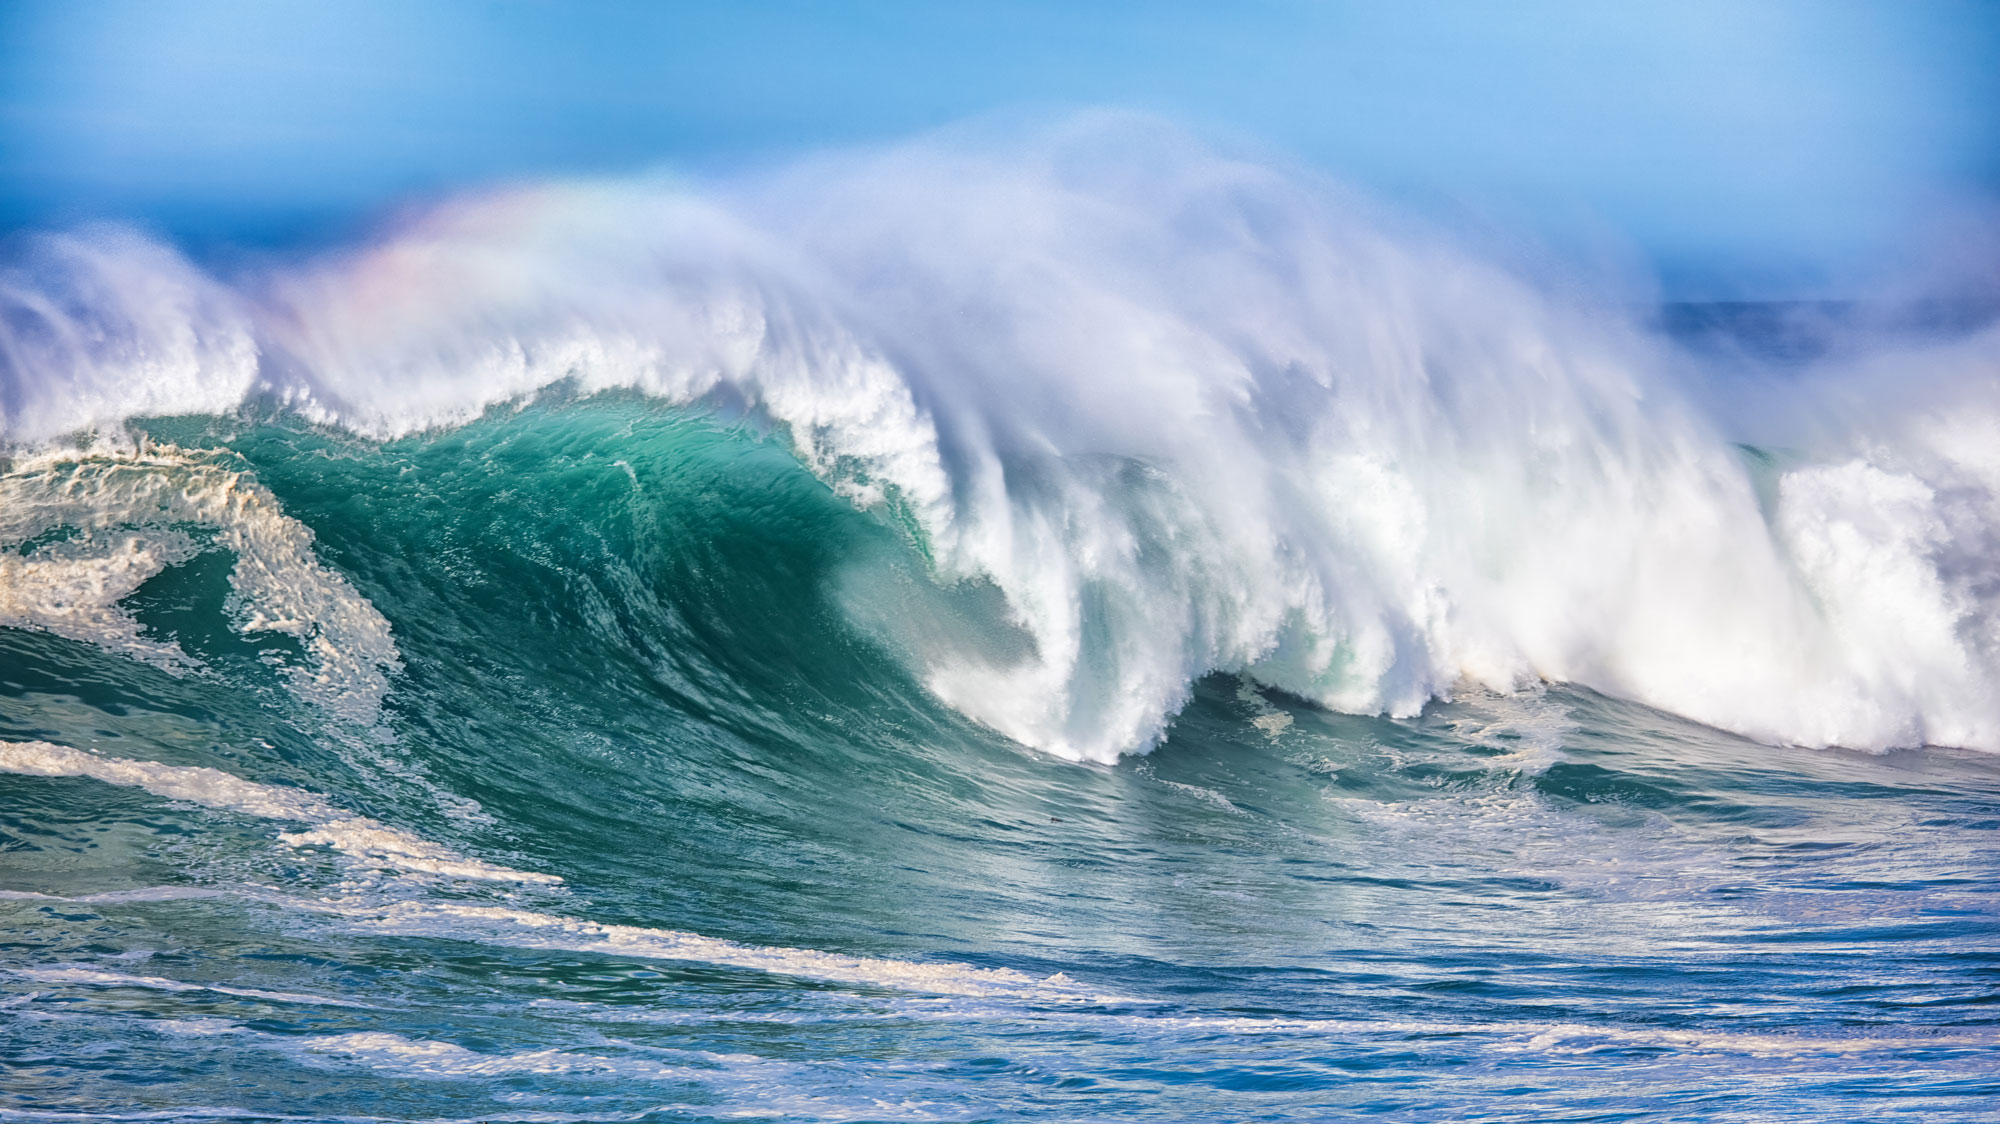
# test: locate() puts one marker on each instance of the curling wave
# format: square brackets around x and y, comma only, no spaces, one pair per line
[1144,414]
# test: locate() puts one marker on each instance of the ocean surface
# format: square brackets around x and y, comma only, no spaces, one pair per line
[1087,632]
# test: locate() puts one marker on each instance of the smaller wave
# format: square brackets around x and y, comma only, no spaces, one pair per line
[372,841]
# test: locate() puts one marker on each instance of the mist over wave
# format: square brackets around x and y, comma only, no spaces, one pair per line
[1146,412]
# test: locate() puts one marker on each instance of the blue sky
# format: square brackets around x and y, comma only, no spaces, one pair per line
[1775,141]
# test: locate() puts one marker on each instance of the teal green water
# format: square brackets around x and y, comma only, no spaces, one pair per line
[630,652]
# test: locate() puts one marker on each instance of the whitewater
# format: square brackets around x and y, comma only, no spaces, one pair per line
[1073,625]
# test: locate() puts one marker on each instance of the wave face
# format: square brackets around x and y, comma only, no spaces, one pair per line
[610,652]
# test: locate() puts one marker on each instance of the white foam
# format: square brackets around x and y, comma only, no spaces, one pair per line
[80,532]
[327,825]
[141,894]
[743,1084]
[94,977]
[521,928]
[225,1112]
[105,325]
[747,1084]
[72,590]
[1268,719]
[394,1053]
[1185,414]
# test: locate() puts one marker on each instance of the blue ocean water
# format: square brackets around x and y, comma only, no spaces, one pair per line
[604,655]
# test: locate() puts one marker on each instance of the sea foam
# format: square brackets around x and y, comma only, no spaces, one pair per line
[81,532]
[325,823]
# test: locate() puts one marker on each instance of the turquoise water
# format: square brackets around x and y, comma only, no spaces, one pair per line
[663,822]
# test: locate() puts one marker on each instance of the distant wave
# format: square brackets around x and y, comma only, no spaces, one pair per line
[1164,413]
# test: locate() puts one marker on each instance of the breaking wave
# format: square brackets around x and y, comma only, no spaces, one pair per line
[1138,412]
